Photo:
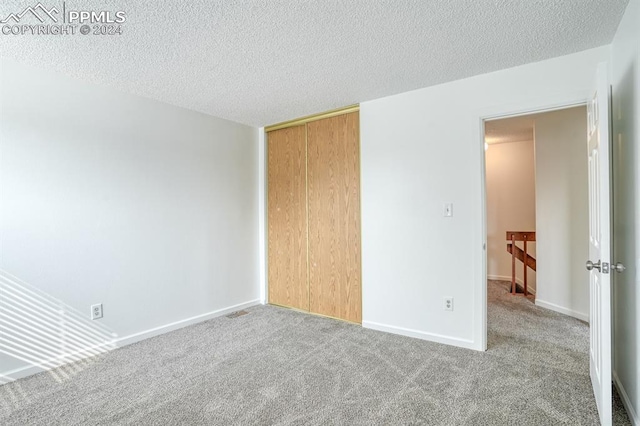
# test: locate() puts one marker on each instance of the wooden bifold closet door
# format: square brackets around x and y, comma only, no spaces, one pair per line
[287,218]
[314,217]
[333,163]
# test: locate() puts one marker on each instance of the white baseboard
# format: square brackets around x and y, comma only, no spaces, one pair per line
[633,416]
[19,373]
[562,310]
[133,338]
[432,337]
[530,289]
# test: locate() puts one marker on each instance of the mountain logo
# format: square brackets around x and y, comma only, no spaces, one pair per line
[39,11]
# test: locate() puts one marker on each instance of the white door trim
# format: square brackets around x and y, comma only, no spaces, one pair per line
[262,216]
[531,106]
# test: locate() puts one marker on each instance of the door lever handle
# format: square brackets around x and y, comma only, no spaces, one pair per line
[591,265]
[618,267]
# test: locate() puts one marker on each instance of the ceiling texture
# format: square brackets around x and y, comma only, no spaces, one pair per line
[514,129]
[260,62]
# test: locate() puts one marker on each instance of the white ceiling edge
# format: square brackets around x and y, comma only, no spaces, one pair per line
[489,142]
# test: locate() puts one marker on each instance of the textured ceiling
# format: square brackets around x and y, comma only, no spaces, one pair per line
[516,129]
[261,62]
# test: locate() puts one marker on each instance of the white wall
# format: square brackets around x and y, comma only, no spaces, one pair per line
[511,206]
[626,215]
[105,197]
[562,211]
[422,149]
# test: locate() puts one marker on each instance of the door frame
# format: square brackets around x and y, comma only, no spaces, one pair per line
[535,106]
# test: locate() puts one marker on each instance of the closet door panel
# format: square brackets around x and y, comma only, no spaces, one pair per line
[287,218]
[334,217]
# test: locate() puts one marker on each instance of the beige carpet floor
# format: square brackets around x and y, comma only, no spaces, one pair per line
[275,366]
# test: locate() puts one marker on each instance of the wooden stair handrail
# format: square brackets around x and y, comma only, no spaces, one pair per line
[520,254]
[521,235]
[531,261]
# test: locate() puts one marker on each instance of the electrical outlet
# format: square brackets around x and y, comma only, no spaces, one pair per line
[448,303]
[96,311]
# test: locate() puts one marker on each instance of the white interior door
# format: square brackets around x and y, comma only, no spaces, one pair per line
[600,245]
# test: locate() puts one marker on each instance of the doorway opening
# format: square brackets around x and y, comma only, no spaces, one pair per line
[511,204]
[537,204]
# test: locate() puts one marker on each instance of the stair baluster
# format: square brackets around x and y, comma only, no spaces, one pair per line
[522,255]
